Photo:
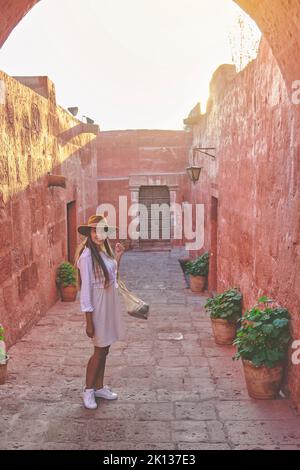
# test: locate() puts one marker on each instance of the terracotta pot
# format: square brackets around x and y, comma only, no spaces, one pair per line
[263,383]
[68,294]
[197,283]
[3,371]
[224,331]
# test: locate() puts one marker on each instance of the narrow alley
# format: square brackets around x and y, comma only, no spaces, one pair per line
[174,391]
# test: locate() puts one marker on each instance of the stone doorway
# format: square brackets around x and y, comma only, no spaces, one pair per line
[155,222]
[214,246]
[71,230]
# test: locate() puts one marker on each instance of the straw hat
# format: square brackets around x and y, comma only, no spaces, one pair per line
[99,222]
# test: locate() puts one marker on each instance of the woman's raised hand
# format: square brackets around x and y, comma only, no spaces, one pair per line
[119,250]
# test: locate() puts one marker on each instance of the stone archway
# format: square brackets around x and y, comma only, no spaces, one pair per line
[279,21]
[170,182]
[280,24]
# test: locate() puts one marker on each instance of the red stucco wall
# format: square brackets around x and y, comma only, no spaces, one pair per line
[155,157]
[255,128]
[37,136]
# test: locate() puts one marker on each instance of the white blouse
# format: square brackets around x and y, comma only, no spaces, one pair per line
[88,280]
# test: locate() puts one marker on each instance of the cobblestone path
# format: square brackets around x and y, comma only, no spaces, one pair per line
[177,389]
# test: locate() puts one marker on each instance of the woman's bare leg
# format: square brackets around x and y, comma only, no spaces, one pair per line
[101,369]
[93,366]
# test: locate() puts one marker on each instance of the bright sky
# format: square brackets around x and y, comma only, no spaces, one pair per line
[128,64]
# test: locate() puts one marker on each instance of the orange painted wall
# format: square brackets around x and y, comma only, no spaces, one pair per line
[158,156]
[254,125]
[37,137]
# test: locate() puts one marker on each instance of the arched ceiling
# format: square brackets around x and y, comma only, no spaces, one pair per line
[278,20]
[11,13]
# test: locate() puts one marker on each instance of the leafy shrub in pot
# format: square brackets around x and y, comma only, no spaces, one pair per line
[225,310]
[198,271]
[262,343]
[66,279]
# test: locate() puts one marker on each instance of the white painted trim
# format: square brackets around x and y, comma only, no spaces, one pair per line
[112,178]
[157,174]
[124,178]
[167,147]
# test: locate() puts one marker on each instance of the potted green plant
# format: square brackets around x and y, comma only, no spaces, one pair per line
[66,280]
[3,357]
[225,309]
[262,343]
[198,270]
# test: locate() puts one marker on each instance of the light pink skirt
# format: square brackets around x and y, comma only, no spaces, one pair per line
[107,315]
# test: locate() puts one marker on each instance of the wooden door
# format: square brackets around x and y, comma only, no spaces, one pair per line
[71,230]
[155,224]
[213,262]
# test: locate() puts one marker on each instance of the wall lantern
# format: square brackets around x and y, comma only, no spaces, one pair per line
[194,173]
[56,180]
[194,170]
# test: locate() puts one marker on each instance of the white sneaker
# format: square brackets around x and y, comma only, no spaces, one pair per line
[106,393]
[89,399]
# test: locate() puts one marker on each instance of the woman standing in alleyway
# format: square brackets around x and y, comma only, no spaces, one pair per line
[99,299]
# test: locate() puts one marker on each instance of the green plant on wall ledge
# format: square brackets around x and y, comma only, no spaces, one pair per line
[264,335]
[66,275]
[199,267]
[225,306]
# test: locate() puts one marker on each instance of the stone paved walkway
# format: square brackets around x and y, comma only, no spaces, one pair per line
[177,389]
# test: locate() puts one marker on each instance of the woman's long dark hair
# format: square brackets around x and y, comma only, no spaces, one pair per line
[99,267]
